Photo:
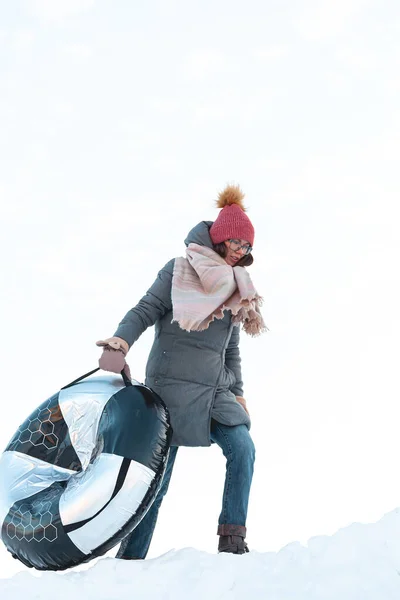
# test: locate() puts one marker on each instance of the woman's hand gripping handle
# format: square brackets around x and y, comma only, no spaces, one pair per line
[113,357]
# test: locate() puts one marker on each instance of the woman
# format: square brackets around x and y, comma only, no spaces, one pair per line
[197,304]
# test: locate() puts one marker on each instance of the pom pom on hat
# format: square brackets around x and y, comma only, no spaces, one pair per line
[232,222]
[232,194]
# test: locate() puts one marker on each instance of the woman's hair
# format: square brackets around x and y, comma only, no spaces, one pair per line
[222,250]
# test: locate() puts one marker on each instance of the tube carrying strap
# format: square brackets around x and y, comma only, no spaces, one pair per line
[126,379]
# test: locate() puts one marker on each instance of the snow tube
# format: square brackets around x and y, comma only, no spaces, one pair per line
[81,472]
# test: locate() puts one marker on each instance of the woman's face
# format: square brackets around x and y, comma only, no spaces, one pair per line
[236,249]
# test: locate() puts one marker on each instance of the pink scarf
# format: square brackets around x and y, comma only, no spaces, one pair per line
[204,286]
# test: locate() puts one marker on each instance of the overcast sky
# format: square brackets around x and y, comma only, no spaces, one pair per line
[120,122]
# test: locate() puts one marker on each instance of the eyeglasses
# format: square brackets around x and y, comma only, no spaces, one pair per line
[235,245]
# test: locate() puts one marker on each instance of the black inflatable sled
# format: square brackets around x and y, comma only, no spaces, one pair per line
[82,471]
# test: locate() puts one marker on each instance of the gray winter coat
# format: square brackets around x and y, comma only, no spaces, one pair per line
[196,373]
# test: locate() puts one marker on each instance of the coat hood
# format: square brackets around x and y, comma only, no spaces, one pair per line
[200,234]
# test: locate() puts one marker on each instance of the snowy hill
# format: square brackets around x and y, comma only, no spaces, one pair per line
[359,562]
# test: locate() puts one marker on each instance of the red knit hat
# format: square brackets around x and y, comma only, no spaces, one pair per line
[232,221]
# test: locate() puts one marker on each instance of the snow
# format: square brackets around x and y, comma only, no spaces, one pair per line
[359,562]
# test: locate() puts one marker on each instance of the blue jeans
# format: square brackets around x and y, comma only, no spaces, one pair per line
[238,448]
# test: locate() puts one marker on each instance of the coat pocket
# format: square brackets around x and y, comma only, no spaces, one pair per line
[158,363]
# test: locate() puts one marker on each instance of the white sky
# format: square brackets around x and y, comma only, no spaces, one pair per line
[120,121]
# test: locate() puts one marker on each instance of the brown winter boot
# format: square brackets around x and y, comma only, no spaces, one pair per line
[231,539]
